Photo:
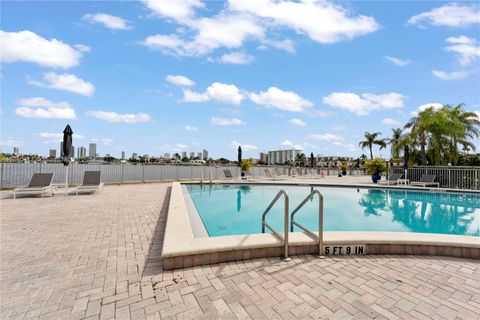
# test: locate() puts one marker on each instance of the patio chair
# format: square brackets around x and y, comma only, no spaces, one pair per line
[268,175]
[40,183]
[228,174]
[426,180]
[91,182]
[277,172]
[392,179]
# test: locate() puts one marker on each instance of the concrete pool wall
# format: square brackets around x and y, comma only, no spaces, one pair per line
[181,248]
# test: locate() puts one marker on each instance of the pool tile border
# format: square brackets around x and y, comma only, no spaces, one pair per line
[181,249]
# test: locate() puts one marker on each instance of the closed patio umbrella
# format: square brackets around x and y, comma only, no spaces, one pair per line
[67,151]
[311,159]
[239,156]
[406,155]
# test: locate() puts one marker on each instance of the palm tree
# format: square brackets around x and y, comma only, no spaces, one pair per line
[370,140]
[395,142]
[418,132]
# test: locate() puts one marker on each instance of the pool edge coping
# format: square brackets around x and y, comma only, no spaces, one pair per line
[179,240]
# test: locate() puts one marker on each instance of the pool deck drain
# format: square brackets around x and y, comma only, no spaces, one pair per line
[99,257]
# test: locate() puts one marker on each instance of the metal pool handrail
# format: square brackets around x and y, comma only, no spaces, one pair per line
[319,237]
[285,222]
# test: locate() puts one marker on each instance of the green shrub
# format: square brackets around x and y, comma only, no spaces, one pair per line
[375,166]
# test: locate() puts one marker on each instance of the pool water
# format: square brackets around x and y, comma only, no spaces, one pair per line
[237,209]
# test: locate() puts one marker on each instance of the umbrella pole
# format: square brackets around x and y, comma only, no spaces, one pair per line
[66,181]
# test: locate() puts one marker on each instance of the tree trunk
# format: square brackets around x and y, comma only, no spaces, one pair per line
[423,154]
[371,153]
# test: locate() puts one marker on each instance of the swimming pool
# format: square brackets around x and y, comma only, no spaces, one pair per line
[235,209]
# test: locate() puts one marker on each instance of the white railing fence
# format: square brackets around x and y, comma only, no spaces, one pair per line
[18,174]
[448,177]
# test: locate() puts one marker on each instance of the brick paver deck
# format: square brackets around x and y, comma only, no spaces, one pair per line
[97,257]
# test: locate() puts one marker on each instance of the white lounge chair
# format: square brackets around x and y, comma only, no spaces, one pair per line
[392,179]
[426,180]
[40,183]
[91,182]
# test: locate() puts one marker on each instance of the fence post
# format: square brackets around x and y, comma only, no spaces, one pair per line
[177,171]
[143,173]
[1,175]
[123,173]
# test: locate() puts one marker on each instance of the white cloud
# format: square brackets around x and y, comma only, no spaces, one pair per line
[364,104]
[41,108]
[83,48]
[57,136]
[337,23]
[241,21]
[221,31]
[179,80]
[116,117]
[465,48]
[219,92]
[190,128]
[283,100]
[290,144]
[245,147]
[109,21]
[66,82]
[297,122]
[326,137]
[29,47]
[398,61]
[302,146]
[11,143]
[286,44]
[390,122]
[236,58]
[226,122]
[107,142]
[177,10]
[478,114]
[454,75]
[435,105]
[451,15]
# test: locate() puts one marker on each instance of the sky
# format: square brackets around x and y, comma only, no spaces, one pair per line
[169,76]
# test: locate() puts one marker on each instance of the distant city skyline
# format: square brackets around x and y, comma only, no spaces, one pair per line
[216,74]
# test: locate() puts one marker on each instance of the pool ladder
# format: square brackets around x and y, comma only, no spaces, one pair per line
[293,223]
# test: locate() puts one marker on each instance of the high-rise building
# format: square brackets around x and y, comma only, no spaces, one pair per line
[166,155]
[92,150]
[184,154]
[134,155]
[81,152]
[72,152]
[199,155]
[123,155]
[282,156]
[205,154]
[192,155]
[15,151]
[53,153]
[61,149]
[264,157]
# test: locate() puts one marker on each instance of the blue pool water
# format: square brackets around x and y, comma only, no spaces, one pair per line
[237,209]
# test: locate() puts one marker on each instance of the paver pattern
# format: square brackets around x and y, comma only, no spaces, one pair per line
[98,257]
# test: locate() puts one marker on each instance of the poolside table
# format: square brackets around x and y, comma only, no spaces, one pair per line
[403,181]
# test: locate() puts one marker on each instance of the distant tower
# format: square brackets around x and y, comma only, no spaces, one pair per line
[92,150]
[205,154]
[123,155]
